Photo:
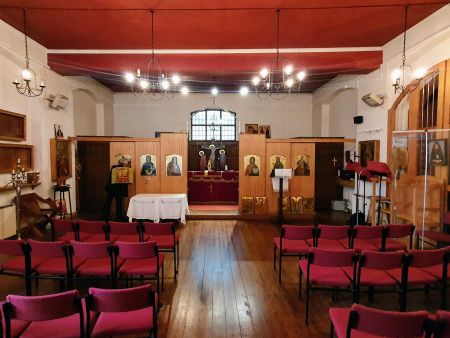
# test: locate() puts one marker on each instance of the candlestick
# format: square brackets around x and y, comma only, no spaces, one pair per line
[18,161]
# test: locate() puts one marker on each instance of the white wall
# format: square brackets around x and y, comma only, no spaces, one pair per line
[140,117]
[40,119]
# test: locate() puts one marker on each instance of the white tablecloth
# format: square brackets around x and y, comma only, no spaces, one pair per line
[158,206]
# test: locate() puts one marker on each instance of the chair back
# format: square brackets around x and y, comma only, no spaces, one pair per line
[47,249]
[426,258]
[91,227]
[60,225]
[333,231]
[388,323]
[120,300]
[12,247]
[368,232]
[382,260]
[442,327]
[39,308]
[123,228]
[331,258]
[91,250]
[137,250]
[159,229]
[297,232]
[399,230]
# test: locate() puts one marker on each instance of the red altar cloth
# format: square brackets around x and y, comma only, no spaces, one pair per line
[219,187]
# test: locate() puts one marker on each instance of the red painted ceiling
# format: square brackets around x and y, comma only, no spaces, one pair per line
[213,24]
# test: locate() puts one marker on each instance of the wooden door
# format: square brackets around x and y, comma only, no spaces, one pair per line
[329,159]
[92,176]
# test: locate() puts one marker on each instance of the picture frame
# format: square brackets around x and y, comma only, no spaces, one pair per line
[438,152]
[13,126]
[61,160]
[368,150]
[247,206]
[251,128]
[265,129]
[260,205]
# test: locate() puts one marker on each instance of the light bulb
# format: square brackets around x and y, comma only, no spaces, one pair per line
[176,79]
[290,82]
[395,75]
[129,77]
[419,73]
[243,91]
[268,85]
[288,69]
[185,90]
[256,80]
[27,74]
[138,73]
[214,91]
[264,72]
[301,75]
[143,84]
[165,84]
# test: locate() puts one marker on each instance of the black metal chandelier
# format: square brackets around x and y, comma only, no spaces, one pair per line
[28,83]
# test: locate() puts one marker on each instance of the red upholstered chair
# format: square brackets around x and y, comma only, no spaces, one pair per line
[295,240]
[333,237]
[393,235]
[123,311]
[328,268]
[141,259]
[373,272]
[367,238]
[363,321]
[167,239]
[92,231]
[93,260]
[442,327]
[19,261]
[63,230]
[124,231]
[57,315]
[17,326]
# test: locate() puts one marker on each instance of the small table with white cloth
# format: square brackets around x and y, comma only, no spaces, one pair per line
[158,206]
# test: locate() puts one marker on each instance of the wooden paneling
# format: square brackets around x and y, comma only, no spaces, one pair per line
[252,186]
[148,184]
[174,144]
[272,149]
[124,148]
[12,126]
[303,185]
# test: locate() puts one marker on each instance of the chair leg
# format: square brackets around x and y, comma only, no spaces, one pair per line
[28,285]
[61,284]
[157,283]
[337,294]
[299,283]
[162,278]
[444,296]
[279,267]
[403,295]
[331,329]
[371,294]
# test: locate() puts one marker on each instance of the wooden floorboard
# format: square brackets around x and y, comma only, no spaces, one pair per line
[227,287]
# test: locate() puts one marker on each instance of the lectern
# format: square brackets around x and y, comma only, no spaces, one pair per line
[280,183]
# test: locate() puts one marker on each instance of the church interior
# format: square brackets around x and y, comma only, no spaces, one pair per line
[187,168]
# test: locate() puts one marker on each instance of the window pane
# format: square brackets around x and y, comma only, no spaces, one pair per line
[213,117]
[228,118]
[213,133]
[199,118]
[198,133]
[228,133]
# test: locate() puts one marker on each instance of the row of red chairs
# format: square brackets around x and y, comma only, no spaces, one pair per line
[102,313]
[75,260]
[296,240]
[363,321]
[399,272]
[164,234]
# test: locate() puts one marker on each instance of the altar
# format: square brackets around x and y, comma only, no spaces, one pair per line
[217,187]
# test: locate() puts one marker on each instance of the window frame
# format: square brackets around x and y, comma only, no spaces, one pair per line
[207,125]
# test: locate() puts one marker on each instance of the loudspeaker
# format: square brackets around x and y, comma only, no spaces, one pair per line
[358,119]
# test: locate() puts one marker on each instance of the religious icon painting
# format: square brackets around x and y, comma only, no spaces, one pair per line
[247,206]
[251,128]
[260,205]
[147,163]
[286,204]
[277,162]
[438,152]
[308,204]
[174,165]
[122,160]
[252,163]
[369,151]
[264,129]
[302,165]
[297,205]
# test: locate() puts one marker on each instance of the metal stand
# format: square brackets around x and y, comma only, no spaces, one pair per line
[18,194]
[281,219]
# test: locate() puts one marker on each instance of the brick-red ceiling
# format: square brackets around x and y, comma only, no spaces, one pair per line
[213,24]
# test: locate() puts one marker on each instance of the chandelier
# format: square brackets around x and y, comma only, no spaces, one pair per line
[281,78]
[401,75]
[28,84]
[153,83]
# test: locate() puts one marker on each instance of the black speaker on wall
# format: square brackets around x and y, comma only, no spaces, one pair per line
[358,119]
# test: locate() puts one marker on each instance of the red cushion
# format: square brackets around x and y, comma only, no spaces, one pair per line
[146,237]
[364,244]
[124,323]
[165,242]
[437,236]
[436,270]
[114,237]
[17,264]
[95,267]
[128,238]
[332,244]
[325,275]
[141,266]
[293,246]
[374,277]
[52,266]
[395,245]
[84,236]
[90,238]
[416,276]
[67,237]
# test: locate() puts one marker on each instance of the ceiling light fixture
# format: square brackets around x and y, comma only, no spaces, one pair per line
[28,83]
[401,75]
[154,84]
[280,80]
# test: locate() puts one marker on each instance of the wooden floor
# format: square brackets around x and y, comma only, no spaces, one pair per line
[227,287]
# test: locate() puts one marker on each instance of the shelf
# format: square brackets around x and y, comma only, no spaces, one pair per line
[28,185]
[345,183]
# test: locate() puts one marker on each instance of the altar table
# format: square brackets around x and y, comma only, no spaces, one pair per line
[158,206]
[218,187]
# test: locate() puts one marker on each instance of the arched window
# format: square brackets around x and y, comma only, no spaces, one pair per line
[213,124]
